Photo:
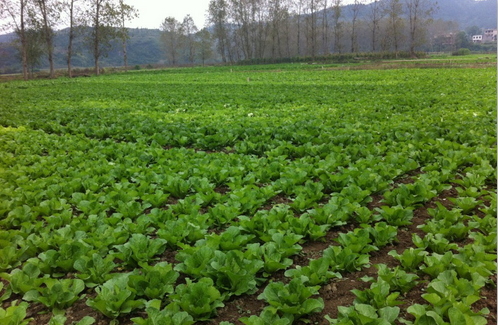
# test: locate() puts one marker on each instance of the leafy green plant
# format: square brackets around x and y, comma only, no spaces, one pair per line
[446,227]
[156,199]
[407,195]
[234,273]
[11,256]
[344,259]
[199,299]
[15,314]
[316,273]
[467,204]
[364,215]
[411,258]
[170,315]
[397,279]
[56,294]
[365,314]
[358,241]
[451,299]
[194,261]
[184,230]
[64,258]
[7,291]
[94,270]
[25,279]
[154,282]
[140,248]
[273,258]
[436,243]
[268,316]
[382,234]
[379,295]
[292,298]
[115,298]
[396,216]
[435,263]
[230,239]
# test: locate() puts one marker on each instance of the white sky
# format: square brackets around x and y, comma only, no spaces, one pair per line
[153,12]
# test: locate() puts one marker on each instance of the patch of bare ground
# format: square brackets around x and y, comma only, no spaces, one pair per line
[376,201]
[222,189]
[408,178]
[237,307]
[277,199]
[488,300]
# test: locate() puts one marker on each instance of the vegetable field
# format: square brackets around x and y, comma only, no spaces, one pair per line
[250,195]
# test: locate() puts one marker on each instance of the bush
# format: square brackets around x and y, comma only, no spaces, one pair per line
[461,52]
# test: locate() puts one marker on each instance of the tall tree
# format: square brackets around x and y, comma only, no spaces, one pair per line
[104,20]
[394,11]
[34,49]
[72,12]
[46,18]
[355,9]
[218,18]
[376,14]
[188,31]
[15,13]
[170,36]
[312,26]
[299,9]
[325,28]
[241,12]
[419,14]
[337,11]
[204,44]
[125,13]
[259,21]
[276,18]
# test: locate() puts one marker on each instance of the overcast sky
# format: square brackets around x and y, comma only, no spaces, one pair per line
[153,12]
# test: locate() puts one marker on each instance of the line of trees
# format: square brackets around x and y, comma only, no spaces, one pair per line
[259,29]
[36,20]
[236,30]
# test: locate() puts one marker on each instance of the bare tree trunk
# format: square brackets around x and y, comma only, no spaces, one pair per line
[24,45]
[355,10]
[71,37]
[96,39]
[48,35]
[125,55]
[376,15]
[325,30]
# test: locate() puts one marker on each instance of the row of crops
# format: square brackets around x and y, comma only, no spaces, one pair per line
[160,198]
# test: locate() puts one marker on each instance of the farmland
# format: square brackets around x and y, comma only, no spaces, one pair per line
[250,195]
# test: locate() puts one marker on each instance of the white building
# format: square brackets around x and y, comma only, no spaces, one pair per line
[477,39]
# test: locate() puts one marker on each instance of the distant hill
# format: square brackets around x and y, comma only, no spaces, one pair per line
[144,46]
[466,13]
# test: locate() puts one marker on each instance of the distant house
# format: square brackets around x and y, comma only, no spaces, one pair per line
[477,39]
[489,36]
